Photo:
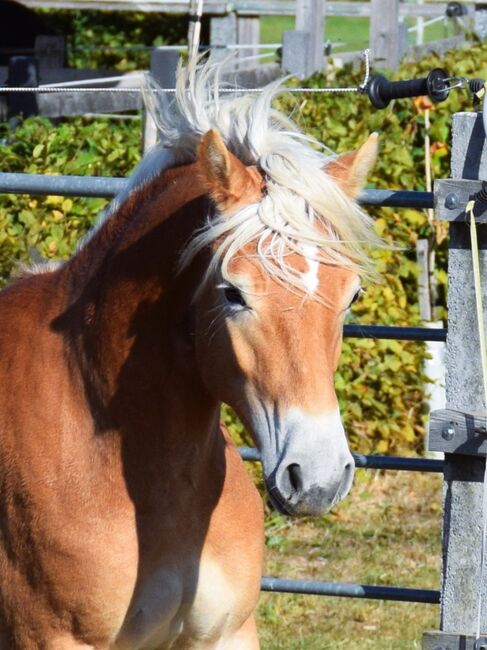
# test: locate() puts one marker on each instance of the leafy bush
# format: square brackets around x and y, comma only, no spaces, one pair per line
[96,39]
[52,225]
[380,384]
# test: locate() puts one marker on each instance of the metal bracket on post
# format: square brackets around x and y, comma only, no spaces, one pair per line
[442,641]
[451,197]
[455,432]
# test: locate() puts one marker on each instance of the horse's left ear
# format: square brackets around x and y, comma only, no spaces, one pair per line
[351,169]
[228,181]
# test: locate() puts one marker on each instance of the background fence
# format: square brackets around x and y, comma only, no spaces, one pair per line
[459,431]
[390,21]
[303,50]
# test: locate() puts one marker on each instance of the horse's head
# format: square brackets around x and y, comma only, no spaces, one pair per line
[267,340]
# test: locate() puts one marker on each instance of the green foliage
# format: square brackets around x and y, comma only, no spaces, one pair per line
[380,384]
[96,39]
[52,225]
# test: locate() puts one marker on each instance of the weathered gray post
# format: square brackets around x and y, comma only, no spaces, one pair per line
[248,33]
[303,47]
[22,71]
[385,33]
[223,32]
[480,20]
[163,65]
[50,52]
[460,432]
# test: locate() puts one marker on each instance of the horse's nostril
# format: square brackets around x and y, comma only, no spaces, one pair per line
[295,477]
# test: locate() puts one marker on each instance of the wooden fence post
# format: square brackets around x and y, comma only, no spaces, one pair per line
[480,20]
[385,33]
[223,32]
[50,51]
[22,71]
[163,64]
[303,47]
[463,486]
[248,33]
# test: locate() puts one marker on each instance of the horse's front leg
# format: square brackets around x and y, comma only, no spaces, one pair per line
[245,639]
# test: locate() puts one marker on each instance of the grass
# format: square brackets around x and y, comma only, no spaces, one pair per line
[351,32]
[387,532]
[347,33]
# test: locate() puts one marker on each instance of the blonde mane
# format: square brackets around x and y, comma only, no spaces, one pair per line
[303,209]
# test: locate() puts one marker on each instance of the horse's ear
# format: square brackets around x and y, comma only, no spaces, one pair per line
[228,181]
[351,169]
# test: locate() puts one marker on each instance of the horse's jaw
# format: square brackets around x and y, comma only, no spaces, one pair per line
[308,467]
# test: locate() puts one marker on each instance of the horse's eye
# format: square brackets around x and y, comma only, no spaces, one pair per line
[356,296]
[234,297]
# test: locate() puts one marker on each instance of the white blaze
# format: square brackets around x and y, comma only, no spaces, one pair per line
[311,278]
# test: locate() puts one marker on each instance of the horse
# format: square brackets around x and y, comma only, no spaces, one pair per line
[221,273]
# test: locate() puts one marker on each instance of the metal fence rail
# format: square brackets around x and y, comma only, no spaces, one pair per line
[372,462]
[107,187]
[350,590]
[396,333]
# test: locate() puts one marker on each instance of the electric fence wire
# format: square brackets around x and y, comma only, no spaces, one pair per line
[46,89]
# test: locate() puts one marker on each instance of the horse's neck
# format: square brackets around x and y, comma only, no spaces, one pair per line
[129,325]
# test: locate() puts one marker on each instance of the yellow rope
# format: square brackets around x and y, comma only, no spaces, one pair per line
[478,293]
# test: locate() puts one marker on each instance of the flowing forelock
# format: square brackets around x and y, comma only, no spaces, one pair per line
[302,210]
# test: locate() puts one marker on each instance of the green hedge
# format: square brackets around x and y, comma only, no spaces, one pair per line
[95,39]
[380,384]
[52,225]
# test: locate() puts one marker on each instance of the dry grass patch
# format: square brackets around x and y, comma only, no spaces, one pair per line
[387,533]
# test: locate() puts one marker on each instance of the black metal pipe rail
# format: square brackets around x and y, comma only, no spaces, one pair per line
[397,333]
[105,187]
[108,186]
[350,590]
[372,462]
[397,199]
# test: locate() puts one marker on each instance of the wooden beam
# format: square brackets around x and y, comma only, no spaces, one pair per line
[310,18]
[253,7]
[248,33]
[384,33]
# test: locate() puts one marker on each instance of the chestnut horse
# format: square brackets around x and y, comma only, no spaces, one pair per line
[223,273]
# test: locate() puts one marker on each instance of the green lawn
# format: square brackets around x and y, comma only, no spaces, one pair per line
[387,532]
[346,32]
[353,33]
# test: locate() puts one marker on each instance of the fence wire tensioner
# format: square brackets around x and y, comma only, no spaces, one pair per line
[437,86]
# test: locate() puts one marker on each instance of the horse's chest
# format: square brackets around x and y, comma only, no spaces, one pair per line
[198,605]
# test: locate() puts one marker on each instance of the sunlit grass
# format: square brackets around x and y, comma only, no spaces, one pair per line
[388,533]
[346,33]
